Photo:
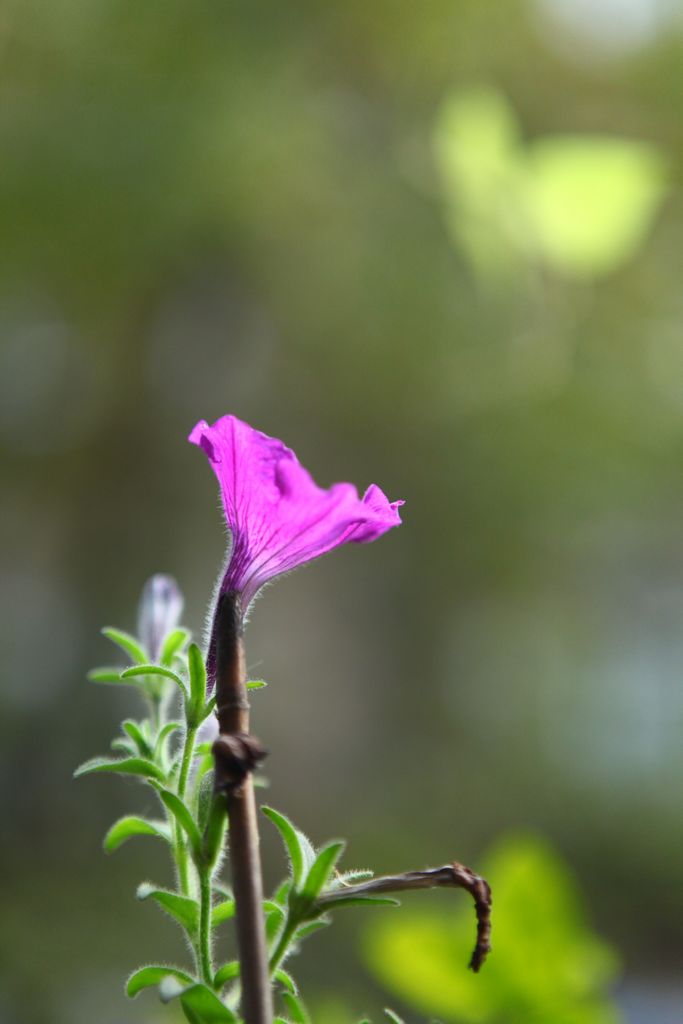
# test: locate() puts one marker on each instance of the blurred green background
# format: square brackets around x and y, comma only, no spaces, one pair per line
[434,245]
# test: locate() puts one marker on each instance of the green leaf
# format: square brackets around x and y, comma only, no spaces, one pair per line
[126,766]
[206,763]
[281,894]
[201,1005]
[145,977]
[275,916]
[173,643]
[109,676]
[256,684]
[393,1017]
[204,790]
[222,912]
[162,738]
[213,842]
[154,670]
[343,878]
[197,670]
[126,828]
[295,1008]
[359,901]
[312,926]
[184,818]
[226,973]
[323,866]
[138,737]
[299,848]
[182,908]
[124,745]
[286,979]
[127,643]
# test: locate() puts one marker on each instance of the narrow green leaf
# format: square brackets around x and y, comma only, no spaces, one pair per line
[393,1017]
[126,766]
[286,979]
[184,818]
[320,872]
[201,1005]
[256,684]
[204,796]
[222,912]
[183,909]
[145,977]
[109,676]
[173,643]
[126,828]
[226,973]
[205,766]
[162,739]
[281,894]
[138,737]
[197,670]
[124,745]
[311,927]
[275,916]
[154,670]
[295,1008]
[301,853]
[343,878]
[359,901]
[127,643]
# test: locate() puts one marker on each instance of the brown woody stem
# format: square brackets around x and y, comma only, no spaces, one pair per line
[451,875]
[235,754]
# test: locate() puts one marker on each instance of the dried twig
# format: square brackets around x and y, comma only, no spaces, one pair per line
[453,875]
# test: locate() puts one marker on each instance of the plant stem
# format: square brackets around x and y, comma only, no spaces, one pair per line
[188,751]
[234,779]
[282,945]
[180,844]
[205,965]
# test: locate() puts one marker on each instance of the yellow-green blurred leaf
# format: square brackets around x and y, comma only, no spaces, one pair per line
[581,204]
[593,199]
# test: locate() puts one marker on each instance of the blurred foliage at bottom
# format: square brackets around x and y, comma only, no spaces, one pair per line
[546,964]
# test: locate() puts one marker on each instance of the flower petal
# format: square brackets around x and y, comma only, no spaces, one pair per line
[277,516]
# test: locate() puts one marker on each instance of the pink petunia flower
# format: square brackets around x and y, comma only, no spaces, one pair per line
[277,516]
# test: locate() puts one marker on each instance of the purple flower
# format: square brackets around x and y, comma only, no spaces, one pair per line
[277,516]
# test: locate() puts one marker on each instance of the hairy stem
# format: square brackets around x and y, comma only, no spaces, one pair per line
[180,844]
[204,951]
[283,944]
[234,754]
[453,875]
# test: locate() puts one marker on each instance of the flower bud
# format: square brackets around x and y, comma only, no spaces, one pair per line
[161,606]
